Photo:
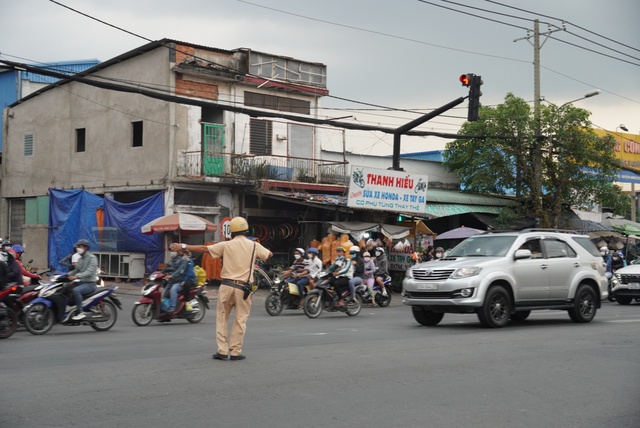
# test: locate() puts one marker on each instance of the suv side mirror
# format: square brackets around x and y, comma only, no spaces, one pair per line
[522,254]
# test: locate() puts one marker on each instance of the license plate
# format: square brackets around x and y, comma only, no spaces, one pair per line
[634,286]
[427,286]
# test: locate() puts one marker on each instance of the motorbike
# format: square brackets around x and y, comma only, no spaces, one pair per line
[325,297]
[283,294]
[8,316]
[53,305]
[373,295]
[149,307]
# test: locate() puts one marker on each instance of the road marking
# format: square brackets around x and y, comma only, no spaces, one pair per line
[622,321]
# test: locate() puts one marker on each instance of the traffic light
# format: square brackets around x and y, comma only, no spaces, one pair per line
[474,98]
[473,82]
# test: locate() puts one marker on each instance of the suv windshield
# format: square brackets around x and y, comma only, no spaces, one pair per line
[483,246]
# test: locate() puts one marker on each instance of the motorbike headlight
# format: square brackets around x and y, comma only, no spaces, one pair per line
[466,272]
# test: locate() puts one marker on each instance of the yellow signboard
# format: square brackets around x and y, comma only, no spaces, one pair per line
[627,148]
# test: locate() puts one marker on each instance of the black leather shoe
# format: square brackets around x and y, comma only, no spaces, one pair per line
[238,357]
[218,356]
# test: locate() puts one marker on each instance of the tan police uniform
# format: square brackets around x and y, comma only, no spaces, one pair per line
[237,267]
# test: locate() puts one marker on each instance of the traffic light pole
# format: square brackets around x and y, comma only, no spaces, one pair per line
[419,121]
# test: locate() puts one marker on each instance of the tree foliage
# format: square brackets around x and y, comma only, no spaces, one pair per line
[576,167]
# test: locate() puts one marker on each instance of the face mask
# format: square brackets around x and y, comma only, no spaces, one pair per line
[310,256]
[602,253]
[80,250]
[353,255]
[297,256]
[173,254]
[378,253]
[366,259]
[439,255]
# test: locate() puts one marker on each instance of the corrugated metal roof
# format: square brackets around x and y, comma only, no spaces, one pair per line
[67,67]
[454,197]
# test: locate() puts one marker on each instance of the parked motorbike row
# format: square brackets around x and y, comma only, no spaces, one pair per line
[323,296]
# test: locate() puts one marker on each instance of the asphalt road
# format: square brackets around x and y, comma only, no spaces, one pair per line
[379,369]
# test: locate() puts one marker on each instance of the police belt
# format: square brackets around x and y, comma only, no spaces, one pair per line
[233,283]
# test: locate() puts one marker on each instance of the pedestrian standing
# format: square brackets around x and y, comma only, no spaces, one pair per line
[239,255]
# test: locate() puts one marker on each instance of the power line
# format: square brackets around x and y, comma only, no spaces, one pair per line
[379,32]
[474,15]
[568,22]
[517,17]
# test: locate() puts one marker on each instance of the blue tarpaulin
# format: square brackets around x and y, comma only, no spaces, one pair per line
[73,215]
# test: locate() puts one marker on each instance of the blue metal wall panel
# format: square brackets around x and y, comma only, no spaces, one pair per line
[66,67]
[8,94]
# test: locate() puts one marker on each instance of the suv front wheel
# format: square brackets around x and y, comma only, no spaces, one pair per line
[426,317]
[584,305]
[496,309]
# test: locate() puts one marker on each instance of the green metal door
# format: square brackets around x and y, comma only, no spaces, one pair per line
[212,149]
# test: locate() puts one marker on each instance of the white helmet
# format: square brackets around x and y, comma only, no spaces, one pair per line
[604,250]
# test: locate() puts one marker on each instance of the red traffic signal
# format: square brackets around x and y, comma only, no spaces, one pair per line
[466,79]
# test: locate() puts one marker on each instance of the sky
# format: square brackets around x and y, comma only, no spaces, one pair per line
[386,55]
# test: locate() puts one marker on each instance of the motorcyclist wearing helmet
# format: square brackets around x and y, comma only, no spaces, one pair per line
[617,261]
[6,245]
[382,268]
[240,254]
[87,273]
[342,272]
[314,266]
[369,269]
[358,270]
[604,252]
[439,253]
[18,250]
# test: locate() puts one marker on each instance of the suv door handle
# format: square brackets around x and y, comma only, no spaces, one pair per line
[576,264]
[544,266]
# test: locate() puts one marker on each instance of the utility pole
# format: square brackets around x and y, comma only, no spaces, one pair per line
[536,155]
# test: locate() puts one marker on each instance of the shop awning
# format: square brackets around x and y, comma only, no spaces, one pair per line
[623,225]
[358,228]
[443,210]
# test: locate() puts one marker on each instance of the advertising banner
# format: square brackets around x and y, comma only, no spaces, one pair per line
[387,190]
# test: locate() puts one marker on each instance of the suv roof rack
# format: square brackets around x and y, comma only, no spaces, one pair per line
[531,230]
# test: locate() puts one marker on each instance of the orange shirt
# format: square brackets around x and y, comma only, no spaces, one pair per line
[237,264]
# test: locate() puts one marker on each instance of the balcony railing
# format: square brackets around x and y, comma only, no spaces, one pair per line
[270,167]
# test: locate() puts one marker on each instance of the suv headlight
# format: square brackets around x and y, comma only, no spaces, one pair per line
[466,272]
[409,273]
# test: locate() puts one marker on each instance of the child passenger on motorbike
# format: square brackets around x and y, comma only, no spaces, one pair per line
[297,273]
[342,272]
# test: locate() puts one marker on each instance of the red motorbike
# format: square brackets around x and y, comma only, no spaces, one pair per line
[8,316]
[149,307]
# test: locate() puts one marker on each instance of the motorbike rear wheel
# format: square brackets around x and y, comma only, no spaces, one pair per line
[109,311]
[199,310]
[273,305]
[142,314]
[38,319]
[11,324]
[383,301]
[313,305]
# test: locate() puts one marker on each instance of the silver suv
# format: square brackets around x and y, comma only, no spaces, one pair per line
[502,275]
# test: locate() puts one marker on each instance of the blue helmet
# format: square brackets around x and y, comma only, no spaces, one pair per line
[313,250]
[18,248]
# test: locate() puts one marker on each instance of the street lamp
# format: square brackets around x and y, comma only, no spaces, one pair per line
[587,95]
[621,126]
